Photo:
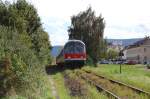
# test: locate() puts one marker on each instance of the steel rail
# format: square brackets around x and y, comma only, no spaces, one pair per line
[120,83]
[100,88]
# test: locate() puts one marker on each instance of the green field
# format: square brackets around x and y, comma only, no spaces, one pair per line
[135,75]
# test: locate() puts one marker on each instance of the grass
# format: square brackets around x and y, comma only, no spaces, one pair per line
[121,91]
[44,93]
[62,91]
[94,94]
[47,89]
[135,75]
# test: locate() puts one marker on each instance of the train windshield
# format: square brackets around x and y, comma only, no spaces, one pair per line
[74,47]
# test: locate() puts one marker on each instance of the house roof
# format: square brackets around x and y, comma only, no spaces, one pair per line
[138,43]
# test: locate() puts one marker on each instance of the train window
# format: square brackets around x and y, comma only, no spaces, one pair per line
[79,47]
[74,47]
[69,47]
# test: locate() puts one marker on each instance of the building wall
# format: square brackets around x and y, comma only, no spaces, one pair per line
[125,54]
[146,54]
[140,54]
[147,42]
[134,54]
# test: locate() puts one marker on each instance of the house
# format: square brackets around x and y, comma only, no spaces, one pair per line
[139,51]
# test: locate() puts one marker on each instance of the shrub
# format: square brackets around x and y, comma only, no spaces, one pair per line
[148,66]
[24,50]
[89,61]
[20,67]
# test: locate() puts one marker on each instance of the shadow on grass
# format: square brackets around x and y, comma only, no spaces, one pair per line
[53,69]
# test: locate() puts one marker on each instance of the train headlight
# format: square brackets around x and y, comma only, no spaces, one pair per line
[69,57]
[82,57]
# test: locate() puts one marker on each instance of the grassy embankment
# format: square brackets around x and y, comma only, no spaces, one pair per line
[45,88]
[24,52]
[135,75]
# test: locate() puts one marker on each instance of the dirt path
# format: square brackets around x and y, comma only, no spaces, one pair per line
[53,88]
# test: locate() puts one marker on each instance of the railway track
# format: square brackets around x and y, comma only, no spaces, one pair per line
[101,89]
[99,82]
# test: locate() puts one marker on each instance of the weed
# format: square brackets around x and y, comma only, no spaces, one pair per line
[76,85]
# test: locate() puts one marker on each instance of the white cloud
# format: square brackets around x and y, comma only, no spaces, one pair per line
[124,18]
[57,29]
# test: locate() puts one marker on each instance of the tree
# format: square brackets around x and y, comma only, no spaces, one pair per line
[87,27]
[103,49]
[24,50]
[112,54]
[23,17]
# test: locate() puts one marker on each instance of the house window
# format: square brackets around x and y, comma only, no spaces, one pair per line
[138,57]
[144,49]
[145,60]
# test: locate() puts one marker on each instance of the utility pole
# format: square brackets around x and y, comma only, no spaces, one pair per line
[120,58]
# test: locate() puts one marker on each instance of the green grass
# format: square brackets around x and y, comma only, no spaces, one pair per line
[94,94]
[47,89]
[43,92]
[135,75]
[62,91]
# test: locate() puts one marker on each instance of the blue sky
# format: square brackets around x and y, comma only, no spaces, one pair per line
[124,18]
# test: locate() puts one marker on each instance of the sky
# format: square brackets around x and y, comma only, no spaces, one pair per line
[124,18]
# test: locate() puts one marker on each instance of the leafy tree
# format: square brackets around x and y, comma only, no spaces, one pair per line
[103,49]
[112,54]
[87,27]
[23,17]
[25,46]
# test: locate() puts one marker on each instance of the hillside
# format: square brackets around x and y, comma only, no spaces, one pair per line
[56,50]
[124,42]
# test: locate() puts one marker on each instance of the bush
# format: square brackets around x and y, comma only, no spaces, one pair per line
[24,51]
[89,61]
[20,67]
[148,66]
[5,76]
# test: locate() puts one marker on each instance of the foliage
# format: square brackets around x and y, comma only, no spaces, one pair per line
[87,27]
[23,17]
[107,53]
[121,91]
[25,46]
[89,61]
[61,89]
[103,49]
[148,65]
[76,85]
[112,54]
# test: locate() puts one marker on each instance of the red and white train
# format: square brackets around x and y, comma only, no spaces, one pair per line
[73,53]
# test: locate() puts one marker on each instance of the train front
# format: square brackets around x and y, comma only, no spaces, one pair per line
[75,52]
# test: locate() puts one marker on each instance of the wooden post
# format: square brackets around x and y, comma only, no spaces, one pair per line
[120,58]
[120,68]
